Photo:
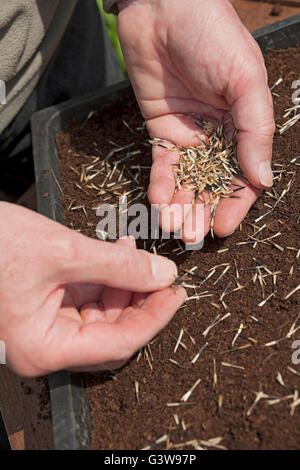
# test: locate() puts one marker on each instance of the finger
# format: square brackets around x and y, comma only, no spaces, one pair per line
[87,293]
[197,224]
[92,312]
[162,189]
[172,217]
[253,116]
[138,299]
[77,258]
[126,241]
[100,343]
[157,310]
[231,212]
[114,301]
[68,308]
[162,180]
[174,128]
[83,293]
[107,366]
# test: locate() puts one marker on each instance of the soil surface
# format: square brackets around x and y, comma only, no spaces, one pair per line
[236,365]
[255,13]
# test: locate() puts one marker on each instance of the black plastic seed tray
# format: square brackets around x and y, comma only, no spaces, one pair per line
[70,410]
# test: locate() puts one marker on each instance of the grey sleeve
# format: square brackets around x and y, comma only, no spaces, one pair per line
[110,6]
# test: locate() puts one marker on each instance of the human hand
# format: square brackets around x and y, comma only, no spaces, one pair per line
[70,302]
[195,56]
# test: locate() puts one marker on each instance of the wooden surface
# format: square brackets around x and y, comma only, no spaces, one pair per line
[25,408]
[29,199]
[22,402]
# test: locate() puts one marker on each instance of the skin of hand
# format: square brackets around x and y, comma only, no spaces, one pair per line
[195,56]
[70,302]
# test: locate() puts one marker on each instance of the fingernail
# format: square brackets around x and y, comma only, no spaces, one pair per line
[163,269]
[265,174]
[194,246]
[130,241]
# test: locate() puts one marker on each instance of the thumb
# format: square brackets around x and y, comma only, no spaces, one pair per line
[252,113]
[80,259]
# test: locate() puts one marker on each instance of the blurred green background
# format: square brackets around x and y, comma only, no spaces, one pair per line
[111,25]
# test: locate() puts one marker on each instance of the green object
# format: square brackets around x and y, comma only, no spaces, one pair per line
[112,29]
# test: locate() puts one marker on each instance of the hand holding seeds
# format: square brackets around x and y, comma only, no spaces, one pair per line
[195,60]
[70,302]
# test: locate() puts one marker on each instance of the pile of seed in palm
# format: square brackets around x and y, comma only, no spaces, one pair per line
[208,169]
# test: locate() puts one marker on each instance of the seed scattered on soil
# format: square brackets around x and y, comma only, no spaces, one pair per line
[110,161]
